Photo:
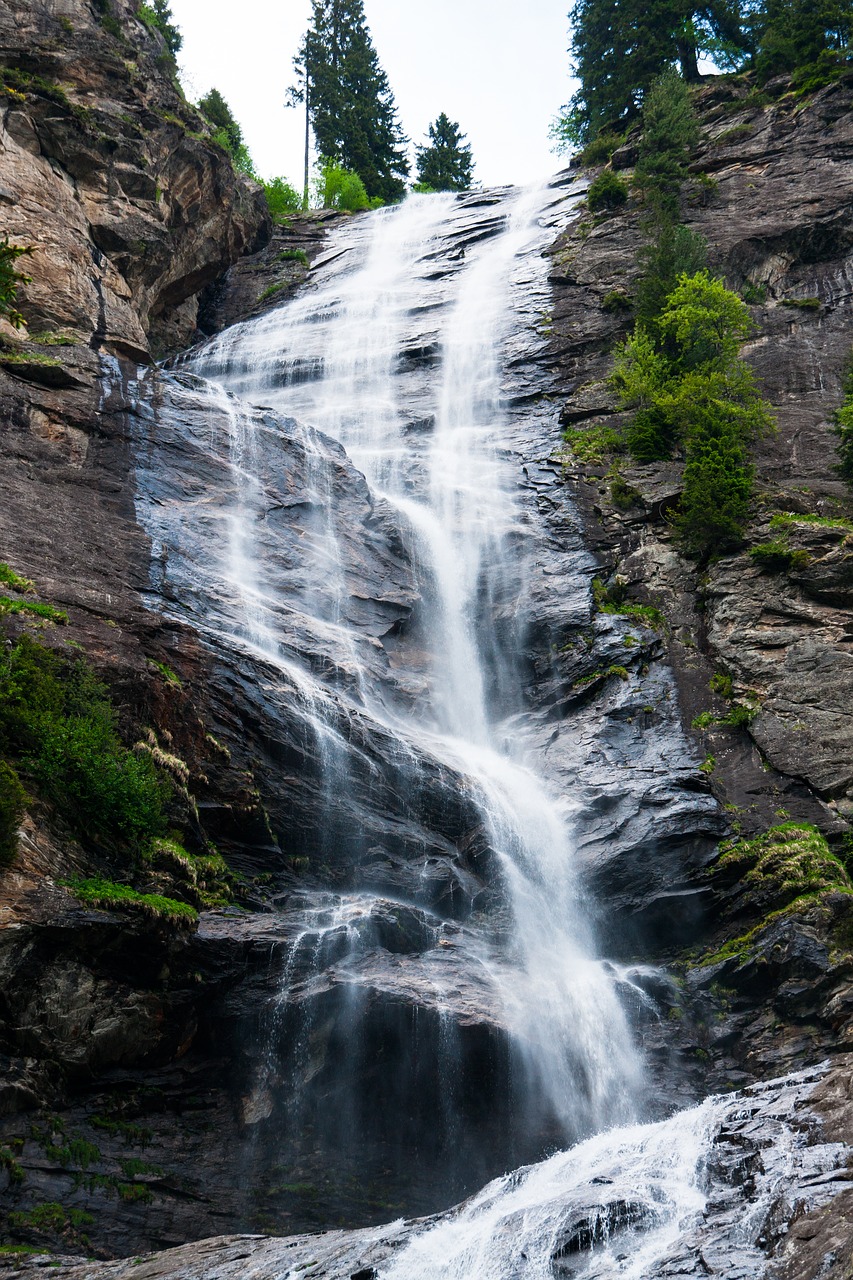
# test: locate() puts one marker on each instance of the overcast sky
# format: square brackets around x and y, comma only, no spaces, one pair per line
[498,67]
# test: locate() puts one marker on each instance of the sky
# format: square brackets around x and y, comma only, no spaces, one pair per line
[498,67]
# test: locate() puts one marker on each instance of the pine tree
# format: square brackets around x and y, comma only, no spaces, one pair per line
[446,164]
[620,46]
[349,101]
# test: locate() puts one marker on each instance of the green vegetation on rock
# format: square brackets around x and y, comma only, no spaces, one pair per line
[59,729]
[96,892]
[606,192]
[11,279]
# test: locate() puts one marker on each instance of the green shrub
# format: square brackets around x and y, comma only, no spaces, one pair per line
[777,557]
[593,444]
[722,684]
[57,722]
[623,495]
[338,188]
[615,302]
[282,199]
[690,390]
[670,132]
[11,279]
[607,191]
[34,607]
[600,149]
[753,294]
[9,578]
[293,255]
[13,801]
[802,304]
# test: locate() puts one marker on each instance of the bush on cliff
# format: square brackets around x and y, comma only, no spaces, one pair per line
[10,280]
[13,800]
[692,392]
[59,727]
[608,191]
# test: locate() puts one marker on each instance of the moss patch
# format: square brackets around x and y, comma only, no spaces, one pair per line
[108,894]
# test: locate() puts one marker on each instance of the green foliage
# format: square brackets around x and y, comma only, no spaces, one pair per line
[293,255]
[96,892]
[340,188]
[615,302]
[49,1218]
[753,294]
[226,131]
[785,519]
[11,279]
[271,290]
[674,250]
[33,607]
[722,684]
[11,1165]
[445,164]
[157,16]
[708,765]
[593,444]
[843,419]
[802,304]
[282,199]
[777,557]
[619,48]
[739,715]
[600,149]
[691,390]
[670,132]
[350,103]
[808,37]
[785,863]
[622,494]
[58,725]
[9,578]
[13,800]
[607,191]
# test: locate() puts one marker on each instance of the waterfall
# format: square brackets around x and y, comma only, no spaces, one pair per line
[335,359]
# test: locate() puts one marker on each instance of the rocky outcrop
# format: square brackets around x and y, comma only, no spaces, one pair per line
[773,989]
[111,177]
[772,1175]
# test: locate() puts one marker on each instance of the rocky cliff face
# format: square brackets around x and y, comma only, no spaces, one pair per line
[110,175]
[771,192]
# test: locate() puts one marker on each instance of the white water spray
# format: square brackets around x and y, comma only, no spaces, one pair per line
[398,354]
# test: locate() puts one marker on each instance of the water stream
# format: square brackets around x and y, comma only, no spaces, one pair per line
[336,359]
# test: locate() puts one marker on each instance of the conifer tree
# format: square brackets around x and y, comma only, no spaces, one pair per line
[349,100]
[620,46]
[446,164]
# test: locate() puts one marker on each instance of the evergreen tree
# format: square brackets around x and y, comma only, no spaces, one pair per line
[797,33]
[166,27]
[349,101]
[446,164]
[620,46]
[216,110]
[227,131]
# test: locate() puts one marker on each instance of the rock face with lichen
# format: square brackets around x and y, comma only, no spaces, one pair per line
[111,176]
[760,644]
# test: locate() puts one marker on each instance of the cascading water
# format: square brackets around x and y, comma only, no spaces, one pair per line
[333,359]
